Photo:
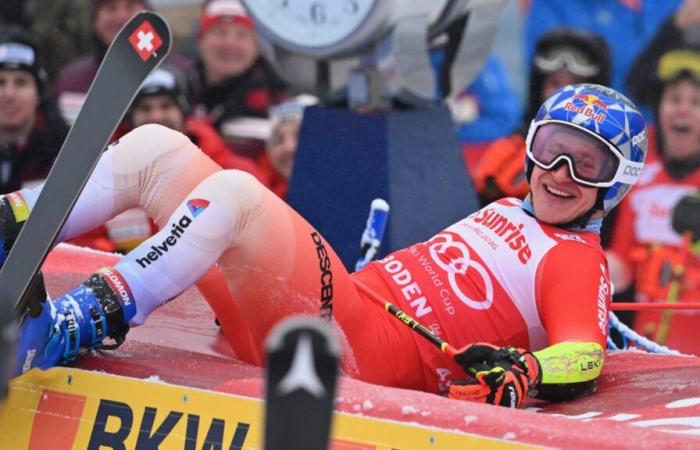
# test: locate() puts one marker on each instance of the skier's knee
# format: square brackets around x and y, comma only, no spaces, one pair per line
[238,191]
[150,142]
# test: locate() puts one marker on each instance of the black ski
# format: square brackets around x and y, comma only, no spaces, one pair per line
[138,49]
[302,371]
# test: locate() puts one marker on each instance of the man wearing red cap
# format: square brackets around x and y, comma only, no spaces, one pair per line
[231,79]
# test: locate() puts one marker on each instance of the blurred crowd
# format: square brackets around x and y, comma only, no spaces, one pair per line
[228,99]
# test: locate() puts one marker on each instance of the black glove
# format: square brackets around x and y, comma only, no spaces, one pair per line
[501,376]
[686,216]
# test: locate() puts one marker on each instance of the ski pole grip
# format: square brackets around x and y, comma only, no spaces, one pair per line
[374,232]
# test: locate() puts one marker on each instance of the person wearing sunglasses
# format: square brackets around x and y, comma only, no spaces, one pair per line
[521,287]
[648,251]
[626,25]
[679,31]
[562,56]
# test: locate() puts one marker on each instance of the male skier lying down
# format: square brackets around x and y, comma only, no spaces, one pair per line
[521,286]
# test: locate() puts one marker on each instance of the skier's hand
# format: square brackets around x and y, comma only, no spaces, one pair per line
[500,376]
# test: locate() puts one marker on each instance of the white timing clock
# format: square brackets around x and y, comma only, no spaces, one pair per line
[382,46]
[320,28]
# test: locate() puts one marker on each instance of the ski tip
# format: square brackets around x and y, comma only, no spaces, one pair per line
[296,324]
[379,204]
[301,381]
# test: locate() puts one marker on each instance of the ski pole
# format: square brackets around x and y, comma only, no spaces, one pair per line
[371,240]
[406,319]
[450,350]
[374,232]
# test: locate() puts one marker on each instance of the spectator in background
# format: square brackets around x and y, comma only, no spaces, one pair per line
[562,56]
[231,79]
[484,112]
[74,80]
[681,30]
[488,108]
[61,30]
[277,163]
[626,26]
[162,99]
[31,129]
[648,248]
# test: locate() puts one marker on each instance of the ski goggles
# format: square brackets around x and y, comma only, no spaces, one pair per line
[569,58]
[674,63]
[592,161]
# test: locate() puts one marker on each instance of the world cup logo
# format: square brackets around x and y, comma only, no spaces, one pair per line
[454,258]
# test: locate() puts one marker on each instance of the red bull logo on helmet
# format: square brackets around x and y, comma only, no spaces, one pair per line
[591,100]
[589,105]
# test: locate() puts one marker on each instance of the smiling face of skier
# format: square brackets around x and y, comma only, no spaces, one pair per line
[557,197]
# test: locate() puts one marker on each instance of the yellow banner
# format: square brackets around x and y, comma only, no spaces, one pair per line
[69,408]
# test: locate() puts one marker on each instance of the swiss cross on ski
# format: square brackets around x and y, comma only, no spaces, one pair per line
[145,40]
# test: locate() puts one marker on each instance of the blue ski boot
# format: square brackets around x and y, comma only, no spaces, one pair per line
[82,318]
